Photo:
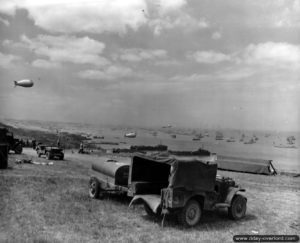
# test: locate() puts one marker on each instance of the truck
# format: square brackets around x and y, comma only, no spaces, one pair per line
[184,186]
[50,152]
[7,137]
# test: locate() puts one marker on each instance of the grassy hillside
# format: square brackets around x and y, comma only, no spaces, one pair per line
[51,204]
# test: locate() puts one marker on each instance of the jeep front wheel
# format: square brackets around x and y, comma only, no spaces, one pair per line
[190,215]
[238,207]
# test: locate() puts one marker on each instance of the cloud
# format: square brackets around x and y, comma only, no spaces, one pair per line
[235,73]
[168,62]
[166,6]
[195,77]
[269,14]
[137,54]
[290,16]
[209,57]
[7,60]
[111,16]
[276,61]
[77,50]
[182,20]
[41,63]
[277,54]
[67,16]
[216,35]
[170,14]
[4,21]
[110,73]
[228,74]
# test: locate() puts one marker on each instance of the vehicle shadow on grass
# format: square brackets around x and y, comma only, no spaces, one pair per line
[116,198]
[216,220]
[9,167]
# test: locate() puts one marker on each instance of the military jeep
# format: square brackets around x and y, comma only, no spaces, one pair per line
[50,152]
[184,186]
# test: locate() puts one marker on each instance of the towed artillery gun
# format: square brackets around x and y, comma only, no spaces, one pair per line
[169,185]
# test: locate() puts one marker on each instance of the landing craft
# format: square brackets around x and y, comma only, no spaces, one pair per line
[27,83]
[130,135]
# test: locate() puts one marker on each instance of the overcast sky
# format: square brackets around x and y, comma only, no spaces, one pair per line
[208,63]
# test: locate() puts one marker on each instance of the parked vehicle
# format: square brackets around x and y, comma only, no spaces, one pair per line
[3,156]
[7,137]
[50,152]
[169,185]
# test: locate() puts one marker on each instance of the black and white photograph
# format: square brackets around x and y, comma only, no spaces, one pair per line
[149,121]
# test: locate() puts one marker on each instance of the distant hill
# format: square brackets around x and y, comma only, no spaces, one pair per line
[67,140]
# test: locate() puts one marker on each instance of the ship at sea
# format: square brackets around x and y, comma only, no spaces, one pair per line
[219,136]
[230,140]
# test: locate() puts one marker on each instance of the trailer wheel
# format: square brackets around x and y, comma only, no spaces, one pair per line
[95,189]
[190,215]
[238,207]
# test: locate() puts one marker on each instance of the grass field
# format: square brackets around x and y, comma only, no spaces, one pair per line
[51,204]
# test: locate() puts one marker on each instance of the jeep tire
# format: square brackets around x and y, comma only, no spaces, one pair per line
[238,207]
[191,213]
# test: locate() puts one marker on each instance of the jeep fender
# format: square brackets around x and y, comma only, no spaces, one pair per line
[153,201]
[232,191]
